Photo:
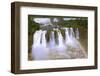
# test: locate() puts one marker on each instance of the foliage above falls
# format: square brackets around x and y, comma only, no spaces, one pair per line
[74,22]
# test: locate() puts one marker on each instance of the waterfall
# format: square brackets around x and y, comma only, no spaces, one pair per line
[72,32]
[67,37]
[39,49]
[61,46]
[37,38]
[70,38]
[44,43]
[60,39]
[58,47]
[52,40]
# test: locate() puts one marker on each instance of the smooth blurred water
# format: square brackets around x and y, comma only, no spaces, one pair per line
[41,48]
[52,41]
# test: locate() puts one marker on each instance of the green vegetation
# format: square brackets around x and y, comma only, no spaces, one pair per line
[79,22]
[32,26]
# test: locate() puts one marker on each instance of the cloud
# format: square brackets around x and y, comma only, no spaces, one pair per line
[42,20]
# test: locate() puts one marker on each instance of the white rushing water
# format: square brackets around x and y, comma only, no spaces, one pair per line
[67,36]
[43,43]
[41,48]
[37,38]
[52,41]
[61,45]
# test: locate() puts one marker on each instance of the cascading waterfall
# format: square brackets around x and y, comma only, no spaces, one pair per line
[41,48]
[52,40]
[60,39]
[67,36]
[72,33]
[37,38]
[44,43]
[61,46]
